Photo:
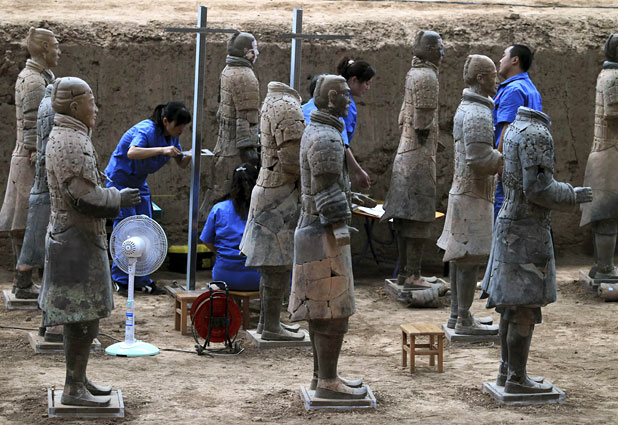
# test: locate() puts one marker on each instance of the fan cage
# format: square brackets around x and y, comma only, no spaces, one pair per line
[154,239]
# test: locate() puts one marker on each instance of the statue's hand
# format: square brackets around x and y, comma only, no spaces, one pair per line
[249,155]
[583,194]
[363,200]
[129,197]
[342,233]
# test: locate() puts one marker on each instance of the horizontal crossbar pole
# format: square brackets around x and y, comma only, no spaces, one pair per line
[201,30]
[316,36]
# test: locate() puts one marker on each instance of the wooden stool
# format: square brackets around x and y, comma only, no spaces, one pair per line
[243,298]
[181,309]
[409,332]
[183,299]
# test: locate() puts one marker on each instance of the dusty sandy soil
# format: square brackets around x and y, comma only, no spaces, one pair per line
[574,347]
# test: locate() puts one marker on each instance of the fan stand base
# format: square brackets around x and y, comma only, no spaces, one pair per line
[137,349]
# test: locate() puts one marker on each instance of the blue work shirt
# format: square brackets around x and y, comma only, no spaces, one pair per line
[126,172]
[517,91]
[350,120]
[224,229]
[512,93]
[309,107]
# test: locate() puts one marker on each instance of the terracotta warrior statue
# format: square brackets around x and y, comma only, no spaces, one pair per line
[268,241]
[521,274]
[238,116]
[29,91]
[322,281]
[601,173]
[466,237]
[77,288]
[411,198]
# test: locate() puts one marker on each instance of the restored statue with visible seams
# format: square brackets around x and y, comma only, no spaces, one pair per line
[411,198]
[466,237]
[268,241]
[601,173]
[77,288]
[322,280]
[29,91]
[521,274]
[238,117]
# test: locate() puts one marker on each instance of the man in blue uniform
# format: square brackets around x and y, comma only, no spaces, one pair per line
[516,90]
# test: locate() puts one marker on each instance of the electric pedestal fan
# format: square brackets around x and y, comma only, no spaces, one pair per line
[138,246]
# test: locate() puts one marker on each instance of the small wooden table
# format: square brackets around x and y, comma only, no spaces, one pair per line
[183,299]
[433,349]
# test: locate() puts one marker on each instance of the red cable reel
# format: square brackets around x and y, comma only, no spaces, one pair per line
[215,316]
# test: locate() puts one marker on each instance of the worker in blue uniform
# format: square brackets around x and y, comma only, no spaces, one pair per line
[516,90]
[143,150]
[224,230]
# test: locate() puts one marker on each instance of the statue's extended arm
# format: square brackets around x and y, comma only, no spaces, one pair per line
[90,199]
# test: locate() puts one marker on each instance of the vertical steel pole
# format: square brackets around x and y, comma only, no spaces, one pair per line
[196,143]
[297,28]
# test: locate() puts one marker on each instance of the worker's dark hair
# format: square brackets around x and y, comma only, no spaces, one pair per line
[348,68]
[243,180]
[174,112]
[313,83]
[524,54]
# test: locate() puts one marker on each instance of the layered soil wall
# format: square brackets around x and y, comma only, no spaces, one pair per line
[132,68]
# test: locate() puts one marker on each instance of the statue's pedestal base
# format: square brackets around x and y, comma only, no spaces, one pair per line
[58,410]
[40,346]
[13,303]
[256,338]
[400,293]
[593,284]
[454,337]
[498,394]
[312,403]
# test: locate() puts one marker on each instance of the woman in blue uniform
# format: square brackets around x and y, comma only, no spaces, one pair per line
[359,75]
[143,150]
[224,230]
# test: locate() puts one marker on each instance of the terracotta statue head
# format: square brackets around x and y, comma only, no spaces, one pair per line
[611,48]
[243,45]
[73,96]
[480,75]
[428,46]
[332,95]
[43,47]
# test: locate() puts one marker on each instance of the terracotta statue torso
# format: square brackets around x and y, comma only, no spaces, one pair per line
[468,226]
[521,269]
[76,282]
[323,284]
[269,236]
[412,193]
[33,249]
[29,91]
[601,172]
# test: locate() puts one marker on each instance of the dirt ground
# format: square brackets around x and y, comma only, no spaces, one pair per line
[573,347]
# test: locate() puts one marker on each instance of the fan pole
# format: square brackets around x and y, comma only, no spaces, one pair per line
[129,333]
